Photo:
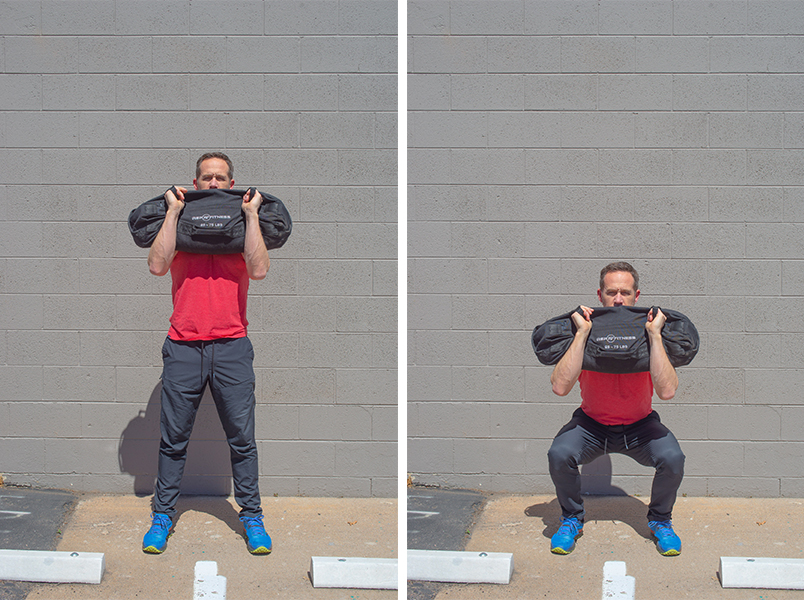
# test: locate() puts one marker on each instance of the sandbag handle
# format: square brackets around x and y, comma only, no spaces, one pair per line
[252,191]
[653,308]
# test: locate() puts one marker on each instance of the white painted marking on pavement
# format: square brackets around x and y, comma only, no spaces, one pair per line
[616,584]
[421,514]
[207,581]
[13,514]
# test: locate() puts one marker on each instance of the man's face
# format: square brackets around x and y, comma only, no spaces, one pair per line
[618,289]
[214,175]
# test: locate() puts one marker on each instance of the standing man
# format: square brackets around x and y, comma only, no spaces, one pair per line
[207,345]
[616,416]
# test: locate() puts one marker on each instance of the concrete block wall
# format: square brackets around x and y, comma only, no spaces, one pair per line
[547,138]
[104,104]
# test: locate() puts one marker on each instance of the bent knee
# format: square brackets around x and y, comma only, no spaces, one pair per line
[672,460]
[559,455]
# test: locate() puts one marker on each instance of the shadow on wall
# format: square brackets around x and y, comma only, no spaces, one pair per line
[208,470]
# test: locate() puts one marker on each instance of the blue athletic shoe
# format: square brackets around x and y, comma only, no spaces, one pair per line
[667,541]
[155,541]
[258,542]
[563,542]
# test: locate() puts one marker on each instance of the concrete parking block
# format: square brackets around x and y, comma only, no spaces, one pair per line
[52,567]
[354,572]
[460,567]
[762,573]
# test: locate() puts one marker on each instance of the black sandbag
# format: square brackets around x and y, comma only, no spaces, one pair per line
[618,341]
[211,221]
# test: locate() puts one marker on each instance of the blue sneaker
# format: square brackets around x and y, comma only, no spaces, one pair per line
[667,541]
[258,542]
[563,542]
[155,541]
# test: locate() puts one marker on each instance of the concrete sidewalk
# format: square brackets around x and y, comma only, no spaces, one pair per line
[208,528]
[616,529]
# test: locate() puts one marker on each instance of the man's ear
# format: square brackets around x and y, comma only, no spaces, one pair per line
[599,296]
[231,185]
[636,296]
[195,183]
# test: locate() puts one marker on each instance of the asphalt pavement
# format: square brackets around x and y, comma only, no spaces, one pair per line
[439,520]
[31,520]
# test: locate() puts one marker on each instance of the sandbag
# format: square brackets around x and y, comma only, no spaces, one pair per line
[211,221]
[618,341]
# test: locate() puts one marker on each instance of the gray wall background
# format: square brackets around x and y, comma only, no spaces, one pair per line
[104,104]
[548,138]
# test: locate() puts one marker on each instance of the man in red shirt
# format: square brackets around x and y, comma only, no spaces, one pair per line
[207,345]
[616,416]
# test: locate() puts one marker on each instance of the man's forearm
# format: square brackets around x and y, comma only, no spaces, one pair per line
[163,249]
[662,372]
[254,251]
[568,369]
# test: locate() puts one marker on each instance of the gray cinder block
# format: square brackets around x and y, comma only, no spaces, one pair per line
[717,18]
[579,17]
[41,54]
[431,54]
[636,18]
[235,18]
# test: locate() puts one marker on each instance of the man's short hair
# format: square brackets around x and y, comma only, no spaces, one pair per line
[617,267]
[219,155]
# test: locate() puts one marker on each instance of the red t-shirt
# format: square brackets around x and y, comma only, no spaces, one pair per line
[616,398]
[209,296]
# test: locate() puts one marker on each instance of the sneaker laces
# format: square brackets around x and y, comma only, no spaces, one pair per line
[569,527]
[663,528]
[250,522]
[160,521]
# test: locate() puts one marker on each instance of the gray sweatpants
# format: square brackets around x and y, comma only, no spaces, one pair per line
[647,441]
[226,365]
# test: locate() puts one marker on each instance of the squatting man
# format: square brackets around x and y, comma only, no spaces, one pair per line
[207,344]
[616,416]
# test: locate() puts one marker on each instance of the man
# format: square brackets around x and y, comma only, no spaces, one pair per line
[207,345]
[616,416]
